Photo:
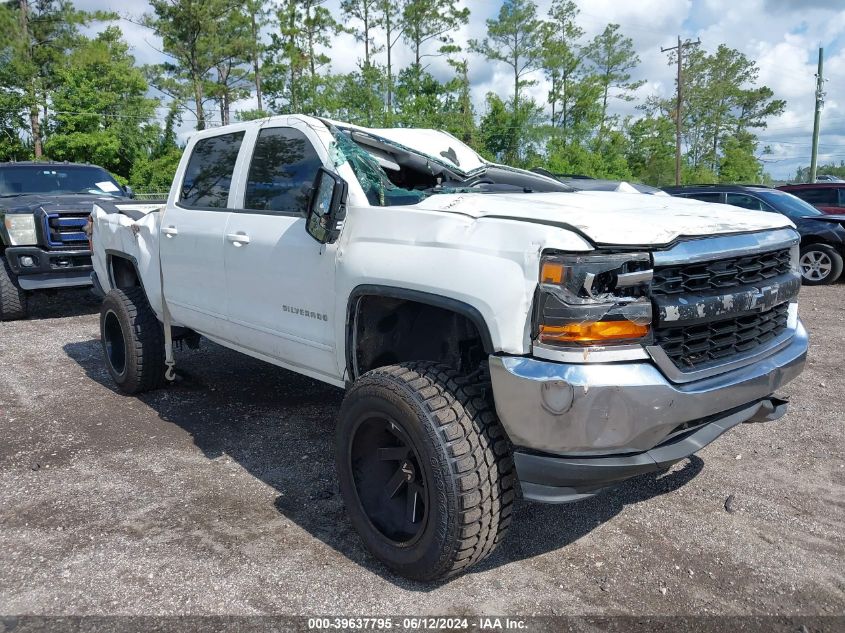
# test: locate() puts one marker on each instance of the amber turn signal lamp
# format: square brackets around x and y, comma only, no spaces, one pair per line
[592,332]
[551,273]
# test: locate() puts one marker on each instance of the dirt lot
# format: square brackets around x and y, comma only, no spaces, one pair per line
[217,496]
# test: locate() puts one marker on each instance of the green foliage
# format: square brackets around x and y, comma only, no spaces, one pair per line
[366,13]
[423,21]
[154,174]
[514,38]
[221,52]
[296,58]
[101,112]
[37,36]
[651,150]
[738,163]
[802,174]
[207,42]
[613,56]
[508,136]
[721,102]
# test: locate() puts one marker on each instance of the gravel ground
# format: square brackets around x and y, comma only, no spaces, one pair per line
[217,496]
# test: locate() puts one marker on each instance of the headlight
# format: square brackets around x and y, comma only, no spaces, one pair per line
[21,229]
[594,299]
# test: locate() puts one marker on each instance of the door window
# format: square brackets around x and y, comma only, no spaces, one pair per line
[747,202]
[208,176]
[705,197]
[282,172]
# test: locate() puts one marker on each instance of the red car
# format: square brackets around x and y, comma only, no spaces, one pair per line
[826,196]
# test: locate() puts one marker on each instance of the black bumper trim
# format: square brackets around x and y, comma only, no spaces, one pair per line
[561,479]
[79,261]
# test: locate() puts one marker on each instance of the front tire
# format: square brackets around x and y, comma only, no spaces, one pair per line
[425,468]
[13,300]
[133,341]
[820,264]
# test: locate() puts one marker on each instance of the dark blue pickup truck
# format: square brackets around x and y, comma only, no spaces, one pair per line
[44,207]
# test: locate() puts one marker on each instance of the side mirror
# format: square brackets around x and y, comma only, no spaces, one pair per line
[326,207]
[128,190]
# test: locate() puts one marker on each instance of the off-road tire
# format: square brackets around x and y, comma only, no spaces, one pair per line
[836,264]
[142,337]
[452,423]
[13,300]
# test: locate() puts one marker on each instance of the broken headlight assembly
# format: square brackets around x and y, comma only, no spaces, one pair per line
[593,300]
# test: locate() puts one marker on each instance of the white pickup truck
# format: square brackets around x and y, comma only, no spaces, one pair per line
[497,333]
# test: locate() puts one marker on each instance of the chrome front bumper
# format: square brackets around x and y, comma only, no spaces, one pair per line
[608,409]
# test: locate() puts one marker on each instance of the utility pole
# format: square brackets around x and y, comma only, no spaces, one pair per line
[680,46]
[817,120]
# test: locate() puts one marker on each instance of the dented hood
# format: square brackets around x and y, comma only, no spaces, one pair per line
[611,218]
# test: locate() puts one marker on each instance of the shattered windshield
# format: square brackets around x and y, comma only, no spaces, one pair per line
[380,191]
[393,173]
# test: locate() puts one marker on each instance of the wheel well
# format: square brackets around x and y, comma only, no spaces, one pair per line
[385,330]
[123,273]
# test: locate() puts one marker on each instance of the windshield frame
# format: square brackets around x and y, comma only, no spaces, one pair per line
[445,164]
[97,175]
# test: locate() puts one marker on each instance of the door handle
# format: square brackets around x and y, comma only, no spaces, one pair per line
[169,231]
[238,239]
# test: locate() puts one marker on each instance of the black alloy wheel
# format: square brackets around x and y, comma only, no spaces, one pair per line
[114,343]
[389,480]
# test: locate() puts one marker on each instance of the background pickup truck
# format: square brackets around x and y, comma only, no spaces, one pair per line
[495,330]
[44,207]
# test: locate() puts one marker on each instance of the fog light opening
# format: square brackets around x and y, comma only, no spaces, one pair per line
[556,396]
[27,261]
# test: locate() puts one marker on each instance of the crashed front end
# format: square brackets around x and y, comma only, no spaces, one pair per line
[639,359]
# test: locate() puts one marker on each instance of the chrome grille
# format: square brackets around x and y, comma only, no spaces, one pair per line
[720,274]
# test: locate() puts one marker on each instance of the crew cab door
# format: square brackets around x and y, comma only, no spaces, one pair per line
[192,236]
[280,281]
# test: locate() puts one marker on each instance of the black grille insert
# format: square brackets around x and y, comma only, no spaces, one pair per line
[720,274]
[692,347]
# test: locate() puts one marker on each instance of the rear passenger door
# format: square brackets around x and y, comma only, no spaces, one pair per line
[280,280]
[192,236]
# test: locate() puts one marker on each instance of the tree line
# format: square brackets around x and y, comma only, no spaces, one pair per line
[65,95]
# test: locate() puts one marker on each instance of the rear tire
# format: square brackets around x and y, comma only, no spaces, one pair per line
[425,468]
[133,341]
[819,264]
[13,300]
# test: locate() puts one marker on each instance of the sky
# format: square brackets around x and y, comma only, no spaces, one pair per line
[782,36]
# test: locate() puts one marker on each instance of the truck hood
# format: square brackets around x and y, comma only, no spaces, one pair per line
[30,203]
[611,218]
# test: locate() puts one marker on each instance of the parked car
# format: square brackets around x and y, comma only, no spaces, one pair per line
[588,183]
[620,186]
[489,324]
[822,235]
[828,178]
[43,209]
[826,196]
